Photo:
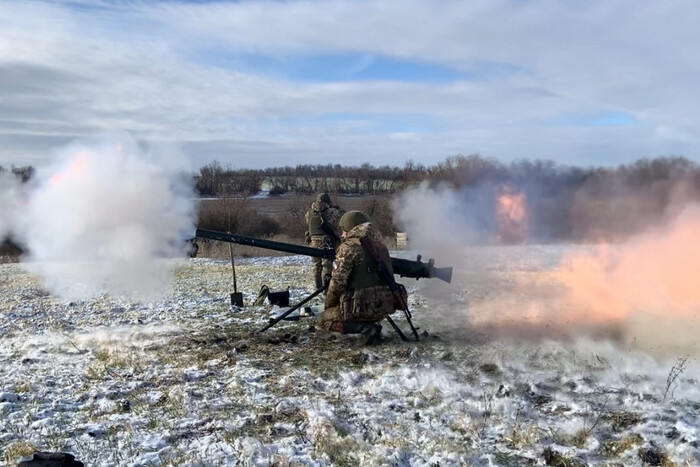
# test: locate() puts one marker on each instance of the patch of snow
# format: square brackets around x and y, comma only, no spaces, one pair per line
[184,381]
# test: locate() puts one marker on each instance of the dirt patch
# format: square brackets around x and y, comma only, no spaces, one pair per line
[10,252]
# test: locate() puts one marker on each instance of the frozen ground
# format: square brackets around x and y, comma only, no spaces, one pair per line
[183,382]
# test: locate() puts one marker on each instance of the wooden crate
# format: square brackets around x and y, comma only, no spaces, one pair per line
[401,240]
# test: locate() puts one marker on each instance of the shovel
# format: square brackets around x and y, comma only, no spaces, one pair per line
[236,296]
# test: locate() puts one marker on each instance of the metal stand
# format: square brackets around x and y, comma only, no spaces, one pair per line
[279,318]
[236,296]
[397,329]
[410,323]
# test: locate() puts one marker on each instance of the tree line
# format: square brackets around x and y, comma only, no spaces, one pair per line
[215,180]
[23,173]
[563,202]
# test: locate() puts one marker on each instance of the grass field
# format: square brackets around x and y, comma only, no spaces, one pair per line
[186,380]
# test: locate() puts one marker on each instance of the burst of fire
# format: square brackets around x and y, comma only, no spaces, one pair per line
[511,218]
[74,170]
[644,292]
[652,274]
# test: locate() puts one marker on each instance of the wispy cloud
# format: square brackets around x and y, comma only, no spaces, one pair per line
[320,68]
[599,119]
[256,83]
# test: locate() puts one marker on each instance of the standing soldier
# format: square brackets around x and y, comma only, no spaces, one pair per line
[322,219]
[358,297]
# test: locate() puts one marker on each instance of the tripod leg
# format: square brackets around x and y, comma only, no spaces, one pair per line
[410,323]
[291,310]
[397,329]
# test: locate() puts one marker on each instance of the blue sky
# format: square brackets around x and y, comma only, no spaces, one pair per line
[328,68]
[265,83]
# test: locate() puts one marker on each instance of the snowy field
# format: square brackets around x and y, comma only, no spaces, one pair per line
[183,381]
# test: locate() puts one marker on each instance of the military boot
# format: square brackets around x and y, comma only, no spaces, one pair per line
[371,331]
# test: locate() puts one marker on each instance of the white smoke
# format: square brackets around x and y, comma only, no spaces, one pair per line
[104,218]
[439,221]
[10,202]
[642,292]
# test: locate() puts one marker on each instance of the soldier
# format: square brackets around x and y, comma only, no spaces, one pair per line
[358,297]
[322,219]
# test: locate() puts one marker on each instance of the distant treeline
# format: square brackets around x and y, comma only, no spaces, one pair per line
[459,171]
[563,202]
[25,173]
[216,180]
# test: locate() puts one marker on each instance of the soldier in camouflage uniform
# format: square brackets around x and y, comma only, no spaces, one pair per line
[322,220]
[357,297]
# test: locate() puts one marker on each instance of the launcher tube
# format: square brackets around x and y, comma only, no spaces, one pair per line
[402,267]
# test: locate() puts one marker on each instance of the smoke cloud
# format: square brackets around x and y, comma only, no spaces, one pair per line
[441,220]
[641,291]
[442,223]
[105,217]
[647,283]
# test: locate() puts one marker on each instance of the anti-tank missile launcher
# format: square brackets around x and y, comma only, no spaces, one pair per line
[402,267]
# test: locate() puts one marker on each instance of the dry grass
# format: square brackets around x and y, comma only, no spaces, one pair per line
[284,215]
[616,447]
[220,250]
[623,420]
[13,452]
[9,252]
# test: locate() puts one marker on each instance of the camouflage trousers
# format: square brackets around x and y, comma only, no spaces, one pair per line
[371,304]
[323,267]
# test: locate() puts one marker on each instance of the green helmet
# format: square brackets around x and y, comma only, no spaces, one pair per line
[323,197]
[352,219]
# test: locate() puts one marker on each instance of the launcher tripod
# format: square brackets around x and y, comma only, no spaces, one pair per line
[279,318]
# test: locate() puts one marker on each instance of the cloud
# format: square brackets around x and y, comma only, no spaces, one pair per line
[496,76]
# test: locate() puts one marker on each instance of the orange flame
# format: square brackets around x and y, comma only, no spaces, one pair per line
[654,273]
[76,169]
[643,292]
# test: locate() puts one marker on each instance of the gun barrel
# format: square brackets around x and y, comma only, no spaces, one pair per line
[266,244]
[402,267]
[419,270]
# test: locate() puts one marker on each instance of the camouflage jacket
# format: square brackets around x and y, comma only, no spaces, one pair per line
[372,303]
[330,214]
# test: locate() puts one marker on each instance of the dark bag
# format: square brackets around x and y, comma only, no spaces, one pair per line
[51,459]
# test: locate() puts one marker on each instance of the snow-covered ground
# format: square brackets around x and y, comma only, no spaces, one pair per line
[183,381]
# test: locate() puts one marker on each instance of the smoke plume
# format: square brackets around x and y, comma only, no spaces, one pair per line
[104,217]
[442,223]
[647,284]
[441,220]
[641,290]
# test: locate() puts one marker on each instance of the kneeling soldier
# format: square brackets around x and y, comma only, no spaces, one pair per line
[358,297]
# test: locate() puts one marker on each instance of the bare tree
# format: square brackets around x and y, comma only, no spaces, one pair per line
[210,180]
